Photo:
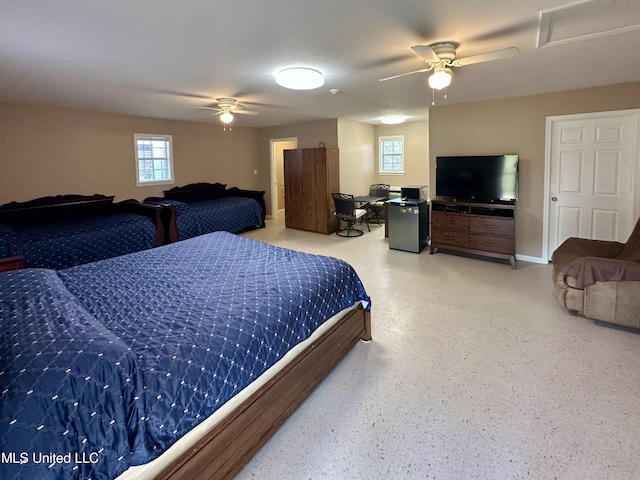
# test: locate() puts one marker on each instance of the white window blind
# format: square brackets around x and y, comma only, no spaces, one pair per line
[154,159]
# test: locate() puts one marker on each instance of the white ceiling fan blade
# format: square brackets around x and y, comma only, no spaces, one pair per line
[426,52]
[404,74]
[206,108]
[245,112]
[487,57]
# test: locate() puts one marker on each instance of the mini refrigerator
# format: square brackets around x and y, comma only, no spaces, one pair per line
[409,220]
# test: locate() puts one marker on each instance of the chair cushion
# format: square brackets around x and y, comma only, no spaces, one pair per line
[360,212]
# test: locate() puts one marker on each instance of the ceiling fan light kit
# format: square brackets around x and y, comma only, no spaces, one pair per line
[300,78]
[441,78]
[226,117]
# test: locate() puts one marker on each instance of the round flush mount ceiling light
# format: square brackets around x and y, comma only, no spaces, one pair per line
[393,119]
[300,78]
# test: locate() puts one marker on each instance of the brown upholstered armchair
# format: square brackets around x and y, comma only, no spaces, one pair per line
[600,279]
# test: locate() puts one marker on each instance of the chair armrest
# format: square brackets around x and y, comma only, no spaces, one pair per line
[586,271]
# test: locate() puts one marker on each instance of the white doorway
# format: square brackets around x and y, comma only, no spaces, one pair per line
[591,177]
[278,146]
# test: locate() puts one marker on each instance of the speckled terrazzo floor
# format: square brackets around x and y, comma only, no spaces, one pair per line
[475,372]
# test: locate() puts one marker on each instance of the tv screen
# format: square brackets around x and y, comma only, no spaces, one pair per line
[487,178]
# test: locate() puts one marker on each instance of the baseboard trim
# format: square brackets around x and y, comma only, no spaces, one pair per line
[526,258]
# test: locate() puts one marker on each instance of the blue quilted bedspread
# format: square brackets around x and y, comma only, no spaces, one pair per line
[113,361]
[9,245]
[60,245]
[227,214]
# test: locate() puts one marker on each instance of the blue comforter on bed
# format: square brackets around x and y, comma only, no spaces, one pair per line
[225,214]
[115,360]
[69,386]
[64,244]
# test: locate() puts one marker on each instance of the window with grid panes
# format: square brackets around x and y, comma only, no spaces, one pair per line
[391,155]
[154,159]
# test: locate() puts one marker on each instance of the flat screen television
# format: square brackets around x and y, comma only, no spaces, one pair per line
[479,178]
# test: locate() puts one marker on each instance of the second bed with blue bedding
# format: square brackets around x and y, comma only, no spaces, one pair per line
[226,214]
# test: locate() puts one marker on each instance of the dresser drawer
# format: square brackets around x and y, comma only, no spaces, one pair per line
[452,221]
[491,225]
[489,243]
[449,237]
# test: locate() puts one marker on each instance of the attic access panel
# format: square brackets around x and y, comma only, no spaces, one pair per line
[588,19]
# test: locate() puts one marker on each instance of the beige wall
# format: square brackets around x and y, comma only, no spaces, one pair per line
[308,135]
[52,151]
[416,160]
[517,125]
[356,141]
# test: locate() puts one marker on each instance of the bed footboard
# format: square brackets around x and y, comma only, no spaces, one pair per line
[154,212]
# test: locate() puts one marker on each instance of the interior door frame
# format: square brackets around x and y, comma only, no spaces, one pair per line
[635,181]
[272,173]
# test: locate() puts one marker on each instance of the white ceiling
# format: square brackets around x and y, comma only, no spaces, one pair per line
[156,57]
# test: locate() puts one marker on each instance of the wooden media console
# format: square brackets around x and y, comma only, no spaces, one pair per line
[478,228]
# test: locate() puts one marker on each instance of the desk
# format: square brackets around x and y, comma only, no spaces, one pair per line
[365,202]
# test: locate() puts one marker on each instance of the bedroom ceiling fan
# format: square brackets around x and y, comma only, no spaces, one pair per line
[441,56]
[226,107]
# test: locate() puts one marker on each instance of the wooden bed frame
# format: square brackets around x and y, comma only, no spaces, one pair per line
[66,207]
[194,192]
[235,440]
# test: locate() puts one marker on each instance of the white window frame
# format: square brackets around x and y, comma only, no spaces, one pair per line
[381,141]
[168,158]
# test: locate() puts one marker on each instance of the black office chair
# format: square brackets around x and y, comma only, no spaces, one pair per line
[376,209]
[345,209]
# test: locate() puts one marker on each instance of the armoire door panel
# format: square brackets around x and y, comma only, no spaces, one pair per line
[311,175]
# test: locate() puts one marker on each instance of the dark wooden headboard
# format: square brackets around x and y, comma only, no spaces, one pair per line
[55,208]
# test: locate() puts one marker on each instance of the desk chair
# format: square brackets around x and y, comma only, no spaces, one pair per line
[377,209]
[345,209]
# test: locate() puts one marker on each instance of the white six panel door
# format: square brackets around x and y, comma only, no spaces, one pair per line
[591,178]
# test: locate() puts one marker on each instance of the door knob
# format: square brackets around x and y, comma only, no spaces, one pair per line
[554,199]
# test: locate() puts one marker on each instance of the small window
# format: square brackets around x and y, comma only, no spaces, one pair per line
[392,155]
[154,159]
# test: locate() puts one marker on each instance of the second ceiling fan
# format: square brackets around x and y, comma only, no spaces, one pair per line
[226,107]
[441,56]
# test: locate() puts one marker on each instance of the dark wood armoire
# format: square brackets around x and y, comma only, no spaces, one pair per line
[311,175]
